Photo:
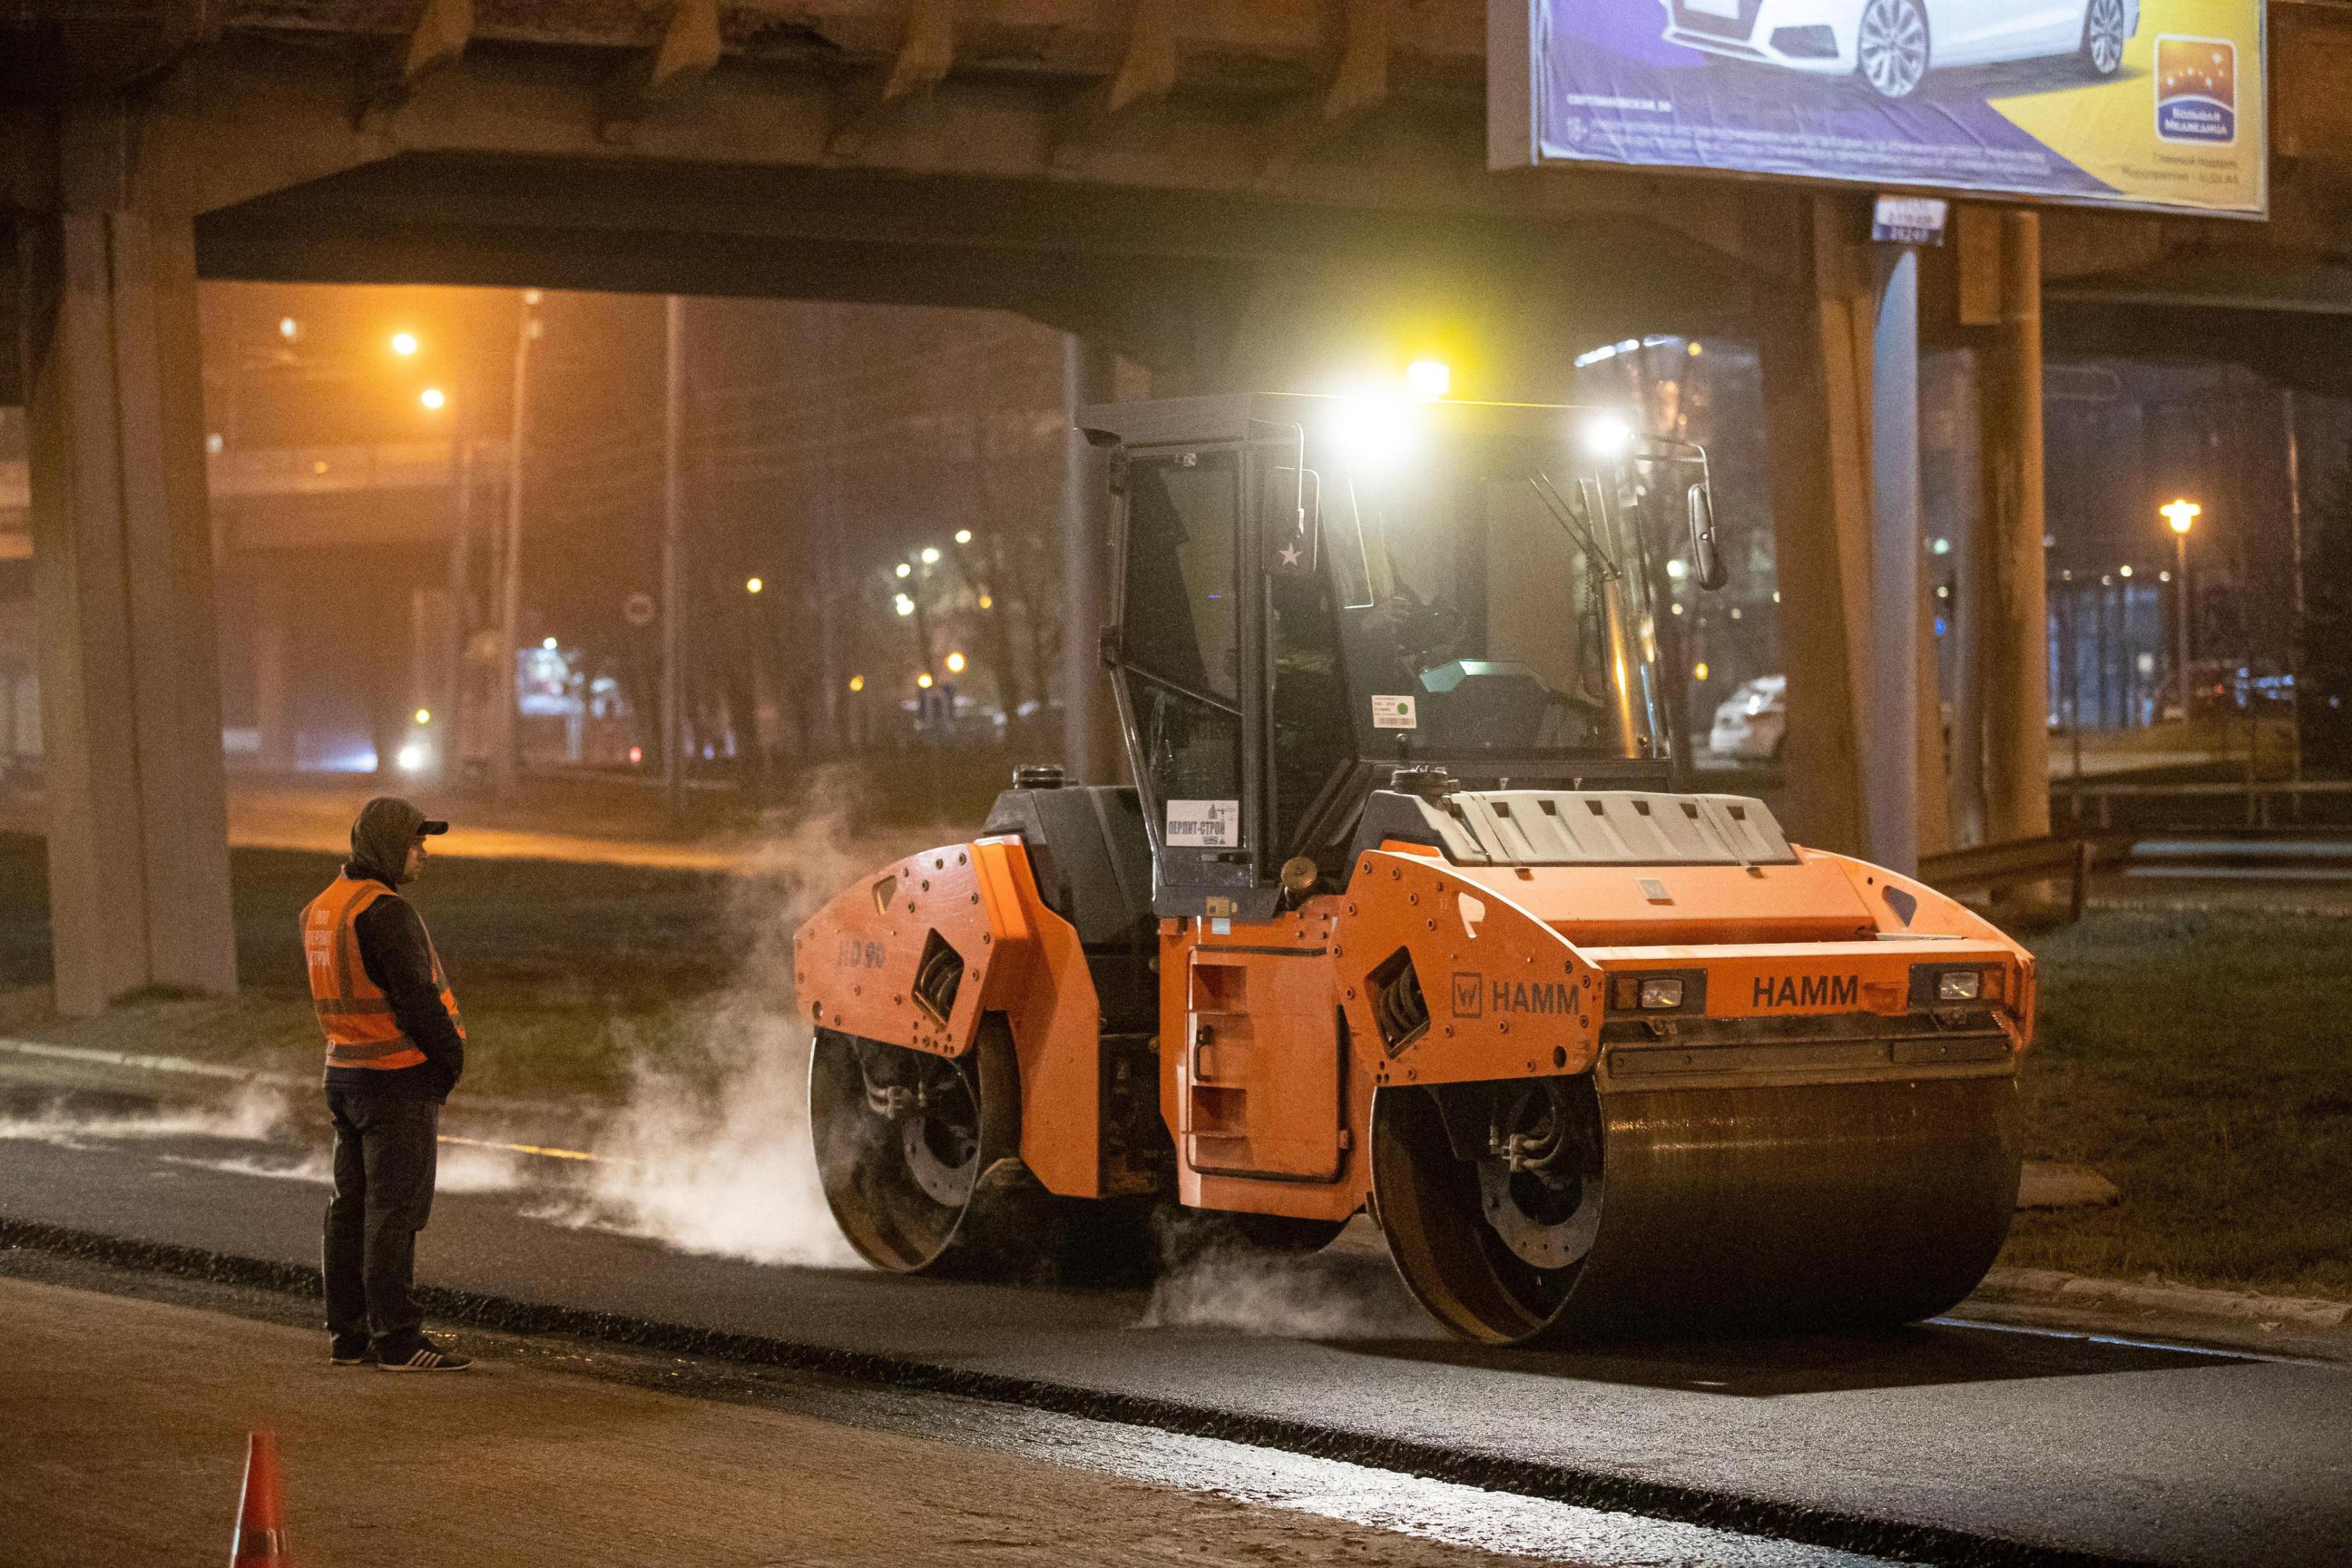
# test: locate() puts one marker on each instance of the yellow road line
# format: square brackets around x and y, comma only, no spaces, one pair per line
[519,1148]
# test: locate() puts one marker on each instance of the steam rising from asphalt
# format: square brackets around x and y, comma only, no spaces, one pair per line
[1347,1291]
[711,1152]
[251,1115]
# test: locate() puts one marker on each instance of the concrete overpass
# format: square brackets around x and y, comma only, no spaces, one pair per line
[1224,193]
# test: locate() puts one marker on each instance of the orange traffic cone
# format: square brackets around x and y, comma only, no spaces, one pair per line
[260,1540]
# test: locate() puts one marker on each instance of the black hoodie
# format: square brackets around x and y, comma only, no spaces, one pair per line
[398,958]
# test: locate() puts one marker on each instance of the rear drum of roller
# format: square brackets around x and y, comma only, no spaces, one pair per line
[1789,1207]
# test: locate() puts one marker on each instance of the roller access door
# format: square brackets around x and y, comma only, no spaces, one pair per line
[1259,1084]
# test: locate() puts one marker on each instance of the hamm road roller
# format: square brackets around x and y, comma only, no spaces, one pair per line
[1404,913]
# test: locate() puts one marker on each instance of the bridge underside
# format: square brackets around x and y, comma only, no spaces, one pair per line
[1268,197]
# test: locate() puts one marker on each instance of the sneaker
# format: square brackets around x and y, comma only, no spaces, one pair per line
[424,1358]
[347,1358]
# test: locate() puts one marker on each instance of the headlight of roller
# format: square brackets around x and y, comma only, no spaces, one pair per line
[1959,985]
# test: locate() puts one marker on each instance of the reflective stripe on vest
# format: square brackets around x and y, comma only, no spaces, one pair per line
[352,1010]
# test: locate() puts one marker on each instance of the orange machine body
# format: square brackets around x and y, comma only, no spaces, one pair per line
[1270,1044]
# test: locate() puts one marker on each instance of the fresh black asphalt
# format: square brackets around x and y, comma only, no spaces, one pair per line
[1945,1441]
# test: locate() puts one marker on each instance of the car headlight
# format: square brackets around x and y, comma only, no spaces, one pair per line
[1959,985]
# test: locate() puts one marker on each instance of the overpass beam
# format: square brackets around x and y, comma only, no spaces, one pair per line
[122,569]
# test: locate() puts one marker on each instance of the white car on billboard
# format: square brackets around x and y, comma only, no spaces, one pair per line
[1893,44]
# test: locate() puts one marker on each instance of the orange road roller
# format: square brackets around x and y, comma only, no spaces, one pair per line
[1404,913]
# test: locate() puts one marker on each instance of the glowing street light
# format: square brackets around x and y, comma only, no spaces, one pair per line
[434,398]
[988,601]
[424,715]
[904,570]
[857,683]
[2180,515]
[752,584]
[955,664]
[963,536]
[930,554]
[924,680]
[403,343]
[1427,380]
[289,327]
[903,604]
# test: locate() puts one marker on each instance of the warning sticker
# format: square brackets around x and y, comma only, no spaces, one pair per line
[1393,713]
[1204,823]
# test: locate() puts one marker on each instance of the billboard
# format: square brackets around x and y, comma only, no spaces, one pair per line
[2140,103]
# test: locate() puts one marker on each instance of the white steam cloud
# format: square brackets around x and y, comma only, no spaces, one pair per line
[1347,1291]
[711,1152]
[253,1114]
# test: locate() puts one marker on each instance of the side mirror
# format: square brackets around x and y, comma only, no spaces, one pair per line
[1707,557]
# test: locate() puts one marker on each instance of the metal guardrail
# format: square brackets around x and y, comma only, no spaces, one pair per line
[2258,796]
[1996,867]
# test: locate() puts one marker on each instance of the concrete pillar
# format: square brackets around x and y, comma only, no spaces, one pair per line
[1890,768]
[1092,749]
[123,567]
[2016,668]
[1814,341]
[273,670]
[1969,579]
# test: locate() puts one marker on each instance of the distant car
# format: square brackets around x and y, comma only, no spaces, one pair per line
[1753,720]
[1891,44]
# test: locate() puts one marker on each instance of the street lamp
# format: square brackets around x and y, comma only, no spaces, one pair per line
[752,584]
[403,343]
[434,398]
[963,536]
[955,664]
[2180,515]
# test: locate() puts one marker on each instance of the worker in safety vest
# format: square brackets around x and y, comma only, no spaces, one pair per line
[394,1048]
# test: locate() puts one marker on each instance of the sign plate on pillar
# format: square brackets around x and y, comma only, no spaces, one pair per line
[1909,220]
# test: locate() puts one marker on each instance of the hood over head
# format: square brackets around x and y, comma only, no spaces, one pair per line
[381,836]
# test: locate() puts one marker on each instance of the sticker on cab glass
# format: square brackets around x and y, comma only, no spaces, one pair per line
[1393,713]
[1204,823]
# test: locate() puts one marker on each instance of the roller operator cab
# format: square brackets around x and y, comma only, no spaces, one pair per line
[1404,912]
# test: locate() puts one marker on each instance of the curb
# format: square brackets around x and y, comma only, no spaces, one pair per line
[2179,1301]
[1559,1483]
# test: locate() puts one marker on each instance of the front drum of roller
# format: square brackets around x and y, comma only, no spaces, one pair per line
[1702,1210]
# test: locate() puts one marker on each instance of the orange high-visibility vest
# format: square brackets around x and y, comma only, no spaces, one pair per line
[351,1008]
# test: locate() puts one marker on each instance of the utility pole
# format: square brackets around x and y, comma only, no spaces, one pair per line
[2294,545]
[672,573]
[506,731]
[461,595]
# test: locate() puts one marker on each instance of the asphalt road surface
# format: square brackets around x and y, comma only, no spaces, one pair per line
[1962,1442]
[127,1414]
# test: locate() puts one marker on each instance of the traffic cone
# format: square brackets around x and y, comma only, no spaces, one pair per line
[260,1539]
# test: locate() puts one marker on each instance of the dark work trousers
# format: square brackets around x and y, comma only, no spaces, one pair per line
[384,1157]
